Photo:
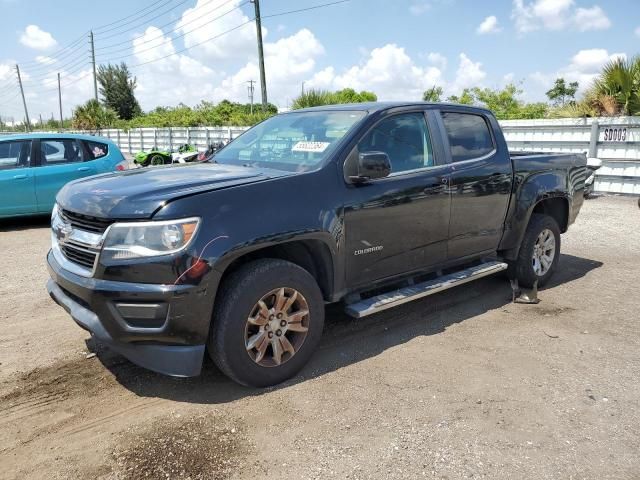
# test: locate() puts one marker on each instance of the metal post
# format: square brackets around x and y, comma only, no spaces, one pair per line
[250,88]
[129,140]
[593,140]
[170,140]
[263,82]
[24,102]
[93,62]
[60,103]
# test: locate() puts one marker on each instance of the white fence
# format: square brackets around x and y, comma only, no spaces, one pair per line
[615,140]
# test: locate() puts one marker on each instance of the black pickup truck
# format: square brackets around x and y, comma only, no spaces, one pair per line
[372,205]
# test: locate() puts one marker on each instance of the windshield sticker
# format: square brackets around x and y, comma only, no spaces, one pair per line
[310,147]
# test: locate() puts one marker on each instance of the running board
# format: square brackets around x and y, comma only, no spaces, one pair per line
[419,290]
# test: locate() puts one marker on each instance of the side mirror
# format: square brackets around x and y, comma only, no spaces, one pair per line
[372,165]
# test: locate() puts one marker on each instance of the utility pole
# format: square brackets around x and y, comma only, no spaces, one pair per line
[93,62]
[40,115]
[302,88]
[24,102]
[263,82]
[250,88]
[60,102]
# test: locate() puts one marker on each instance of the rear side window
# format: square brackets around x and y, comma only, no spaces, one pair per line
[15,154]
[469,135]
[96,149]
[55,152]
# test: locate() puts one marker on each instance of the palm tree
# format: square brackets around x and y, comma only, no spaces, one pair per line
[93,116]
[617,88]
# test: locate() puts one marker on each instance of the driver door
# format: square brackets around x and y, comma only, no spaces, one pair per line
[400,223]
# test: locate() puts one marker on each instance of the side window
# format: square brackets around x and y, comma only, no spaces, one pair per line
[404,138]
[15,154]
[96,149]
[55,152]
[469,135]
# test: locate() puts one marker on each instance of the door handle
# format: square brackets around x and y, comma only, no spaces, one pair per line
[19,177]
[442,181]
[83,169]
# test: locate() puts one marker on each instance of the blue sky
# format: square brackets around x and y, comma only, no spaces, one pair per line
[397,48]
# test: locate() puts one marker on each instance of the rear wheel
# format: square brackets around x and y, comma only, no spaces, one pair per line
[156,160]
[267,322]
[539,252]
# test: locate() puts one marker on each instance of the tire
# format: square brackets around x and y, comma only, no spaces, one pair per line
[156,160]
[231,332]
[523,268]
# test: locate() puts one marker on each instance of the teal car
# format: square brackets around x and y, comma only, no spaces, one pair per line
[34,167]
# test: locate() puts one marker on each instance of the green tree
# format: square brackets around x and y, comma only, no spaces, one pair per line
[465,98]
[117,89]
[93,116]
[619,81]
[561,93]
[434,94]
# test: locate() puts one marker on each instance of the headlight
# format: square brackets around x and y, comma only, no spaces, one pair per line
[148,239]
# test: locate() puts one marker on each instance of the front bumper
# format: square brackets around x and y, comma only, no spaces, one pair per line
[170,340]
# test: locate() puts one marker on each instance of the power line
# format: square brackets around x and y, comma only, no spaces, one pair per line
[129,41]
[305,9]
[59,52]
[172,38]
[128,16]
[117,34]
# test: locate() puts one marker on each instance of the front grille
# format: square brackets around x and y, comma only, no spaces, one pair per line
[86,222]
[80,255]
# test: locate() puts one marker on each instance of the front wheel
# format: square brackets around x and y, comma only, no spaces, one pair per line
[539,252]
[267,322]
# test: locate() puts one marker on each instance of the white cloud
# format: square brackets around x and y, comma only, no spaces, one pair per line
[583,68]
[557,15]
[288,62]
[637,32]
[6,71]
[219,16]
[45,60]
[488,25]
[34,37]
[591,19]
[158,82]
[508,78]
[469,74]
[419,7]
[438,60]
[388,71]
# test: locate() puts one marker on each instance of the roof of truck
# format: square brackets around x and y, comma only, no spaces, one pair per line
[376,106]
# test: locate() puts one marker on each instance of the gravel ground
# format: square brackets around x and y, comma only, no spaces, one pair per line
[462,384]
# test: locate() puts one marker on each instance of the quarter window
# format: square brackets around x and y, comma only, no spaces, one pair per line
[97,149]
[55,152]
[404,138]
[469,135]
[15,154]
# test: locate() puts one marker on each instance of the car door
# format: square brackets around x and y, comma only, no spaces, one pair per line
[17,187]
[481,181]
[397,224]
[61,160]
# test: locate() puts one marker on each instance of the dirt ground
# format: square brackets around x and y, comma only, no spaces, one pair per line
[461,384]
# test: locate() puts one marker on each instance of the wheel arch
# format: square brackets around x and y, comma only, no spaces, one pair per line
[311,254]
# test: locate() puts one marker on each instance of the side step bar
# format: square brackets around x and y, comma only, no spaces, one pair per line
[419,290]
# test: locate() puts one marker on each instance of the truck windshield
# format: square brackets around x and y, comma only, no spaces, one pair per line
[294,142]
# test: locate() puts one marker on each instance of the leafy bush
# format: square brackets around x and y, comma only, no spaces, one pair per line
[316,98]
[93,116]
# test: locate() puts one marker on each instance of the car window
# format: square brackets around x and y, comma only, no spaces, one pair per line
[54,152]
[404,138]
[469,135]
[97,149]
[15,154]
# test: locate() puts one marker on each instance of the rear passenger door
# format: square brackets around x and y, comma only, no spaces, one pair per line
[17,191]
[480,183]
[60,161]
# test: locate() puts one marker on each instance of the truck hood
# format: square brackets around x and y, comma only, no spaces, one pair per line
[138,193]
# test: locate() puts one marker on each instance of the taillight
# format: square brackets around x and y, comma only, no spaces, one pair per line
[122,166]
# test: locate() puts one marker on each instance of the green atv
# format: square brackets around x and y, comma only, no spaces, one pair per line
[164,157]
